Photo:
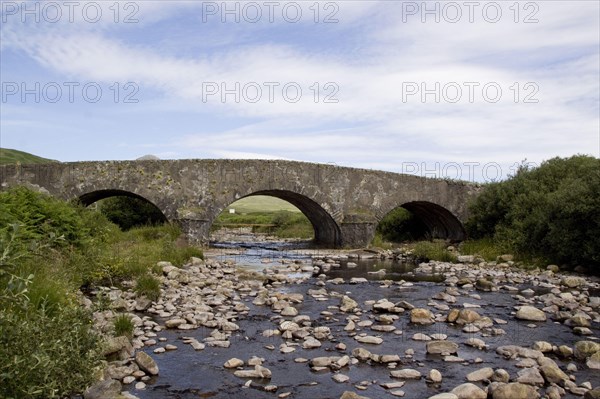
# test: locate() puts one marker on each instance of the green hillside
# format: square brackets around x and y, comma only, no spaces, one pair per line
[8,156]
[261,203]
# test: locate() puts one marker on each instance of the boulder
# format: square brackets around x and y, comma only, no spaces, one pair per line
[572,281]
[121,346]
[514,390]
[146,363]
[479,375]
[553,374]
[469,391]
[584,349]
[593,361]
[441,347]
[530,376]
[531,313]
[107,389]
[421,316]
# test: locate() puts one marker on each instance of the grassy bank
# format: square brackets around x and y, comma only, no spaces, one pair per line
[281,223]
[49,251]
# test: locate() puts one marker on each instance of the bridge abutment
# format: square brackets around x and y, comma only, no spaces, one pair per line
[357,234]
[196,231]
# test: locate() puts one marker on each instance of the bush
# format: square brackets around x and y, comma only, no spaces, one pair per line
[550,212]
[55,222]
[401,225]
[129,212]
[48,250]
[46,355]
[433,250]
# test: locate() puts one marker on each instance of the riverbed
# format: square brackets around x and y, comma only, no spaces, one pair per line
[188,373]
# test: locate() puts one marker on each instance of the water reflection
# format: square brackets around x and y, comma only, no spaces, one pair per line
[260,255]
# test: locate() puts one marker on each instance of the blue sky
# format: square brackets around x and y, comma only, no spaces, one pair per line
[453,89]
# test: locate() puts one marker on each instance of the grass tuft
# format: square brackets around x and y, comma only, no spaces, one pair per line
[147,285]
[123,326]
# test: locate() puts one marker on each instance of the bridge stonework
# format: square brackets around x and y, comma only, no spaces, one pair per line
[343,204]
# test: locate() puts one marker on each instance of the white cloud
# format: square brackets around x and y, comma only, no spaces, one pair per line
[375,124]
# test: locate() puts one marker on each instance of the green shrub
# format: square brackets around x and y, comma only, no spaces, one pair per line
[550,213]
[48,250]
[401,225]
[433,250]
[487,248]
[123,326]
[46,356]
[128,212]
[147,285]
[179,256]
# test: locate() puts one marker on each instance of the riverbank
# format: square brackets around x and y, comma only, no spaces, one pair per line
[294,330]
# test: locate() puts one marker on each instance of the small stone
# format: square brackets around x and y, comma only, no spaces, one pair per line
[233,363]
[530,313]
[421,337]
[542,346]
[593,362]
[445,395]
[352,395]
[441,347]
[174,323]
[368,339]
[501,375]
[479,375]
[406,374]
[258,372]
[311,343]
[361,354]
[476,343]
[393,385]
[341,378]
[469,391]
[140,386]
[435,376]
[289,311]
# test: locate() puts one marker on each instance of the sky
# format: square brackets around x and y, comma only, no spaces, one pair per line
[463,90]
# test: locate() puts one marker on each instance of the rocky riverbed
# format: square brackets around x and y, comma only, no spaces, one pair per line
[313,328]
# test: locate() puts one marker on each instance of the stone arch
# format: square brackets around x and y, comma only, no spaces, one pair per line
[97,195]
[440,222]
[327,231]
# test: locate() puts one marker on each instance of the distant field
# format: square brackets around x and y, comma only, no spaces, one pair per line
[261,203]
[8,156]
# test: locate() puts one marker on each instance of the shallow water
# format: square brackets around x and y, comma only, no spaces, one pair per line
[186,374]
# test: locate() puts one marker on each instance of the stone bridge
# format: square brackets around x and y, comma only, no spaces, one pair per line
[343,204]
